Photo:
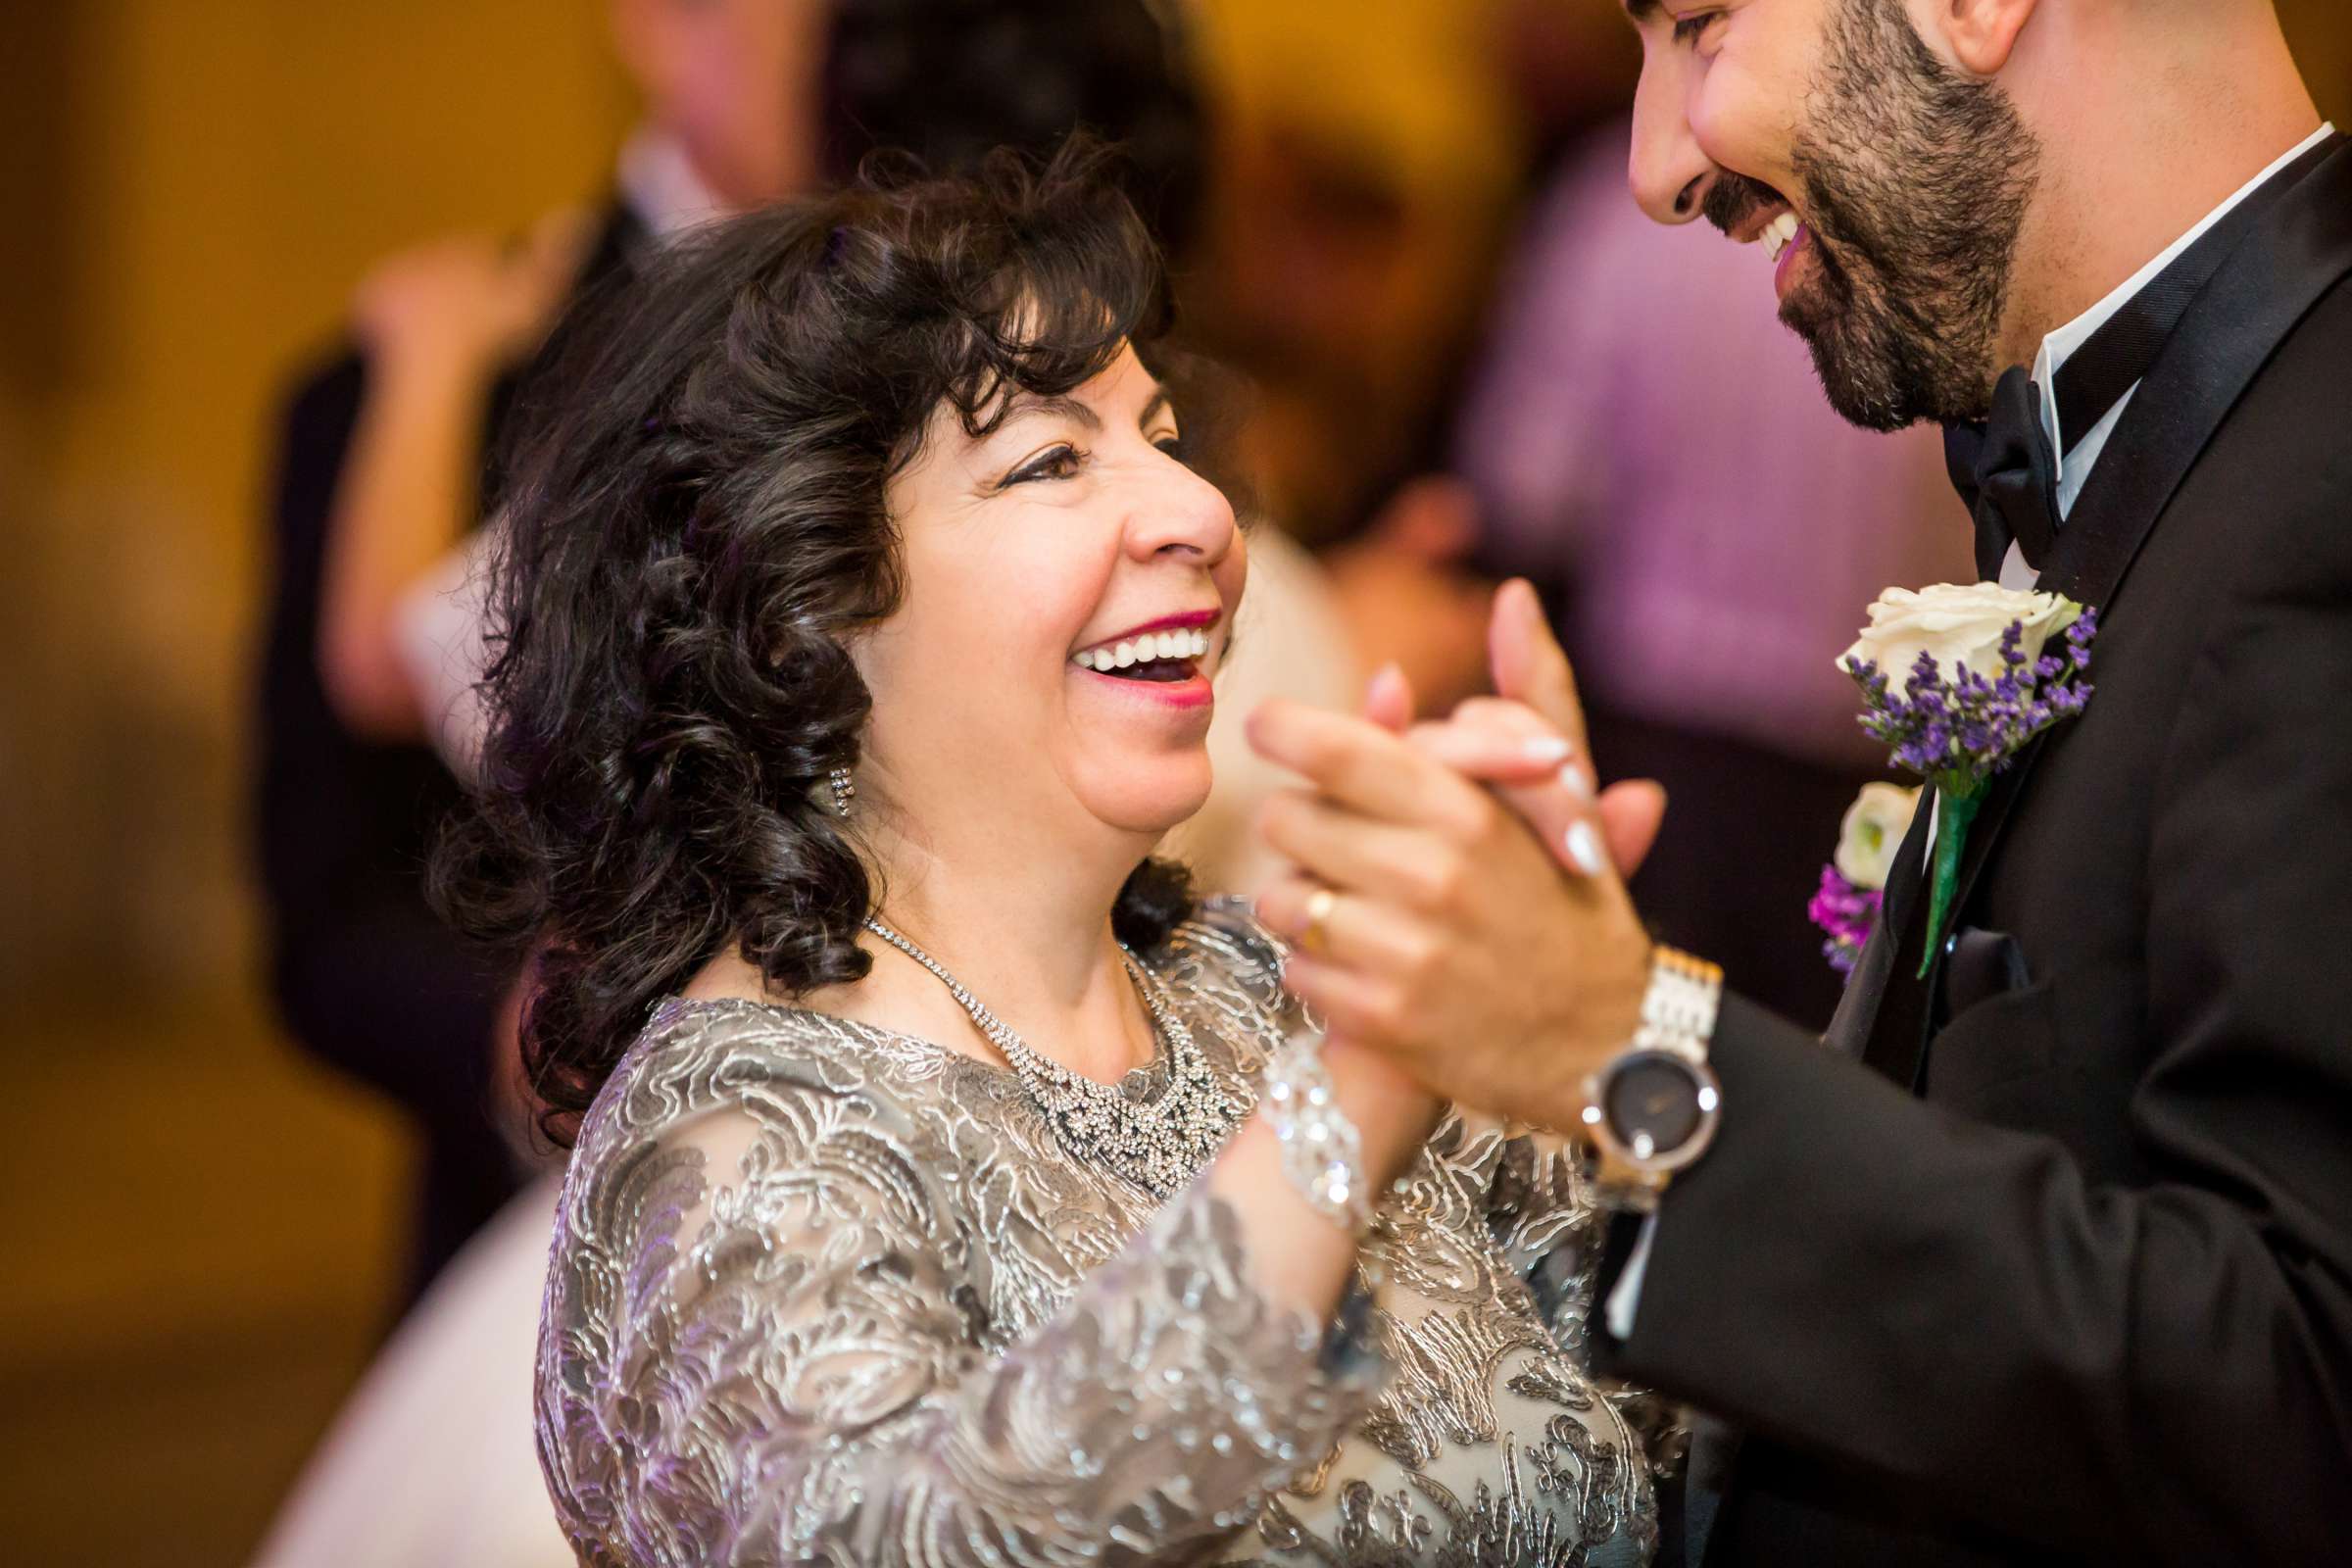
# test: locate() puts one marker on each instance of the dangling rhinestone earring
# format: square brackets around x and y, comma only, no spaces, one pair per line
[844,791]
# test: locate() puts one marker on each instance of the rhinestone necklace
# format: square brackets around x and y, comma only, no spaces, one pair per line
[1157,1143]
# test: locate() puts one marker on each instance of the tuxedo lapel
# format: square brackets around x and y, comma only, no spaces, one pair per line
[1894,1029]
[2299,250]
[1851,1026]
[621,240]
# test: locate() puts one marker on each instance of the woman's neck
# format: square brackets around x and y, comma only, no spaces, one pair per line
[1026,930]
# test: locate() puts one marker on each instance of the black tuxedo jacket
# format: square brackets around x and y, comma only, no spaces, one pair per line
[2064,1272]
[366,975]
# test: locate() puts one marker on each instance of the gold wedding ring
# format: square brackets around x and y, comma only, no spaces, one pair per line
[1316,938]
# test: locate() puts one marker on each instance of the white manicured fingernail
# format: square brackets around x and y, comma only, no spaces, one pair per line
[1584,849]
[1545,750]
[1576,781]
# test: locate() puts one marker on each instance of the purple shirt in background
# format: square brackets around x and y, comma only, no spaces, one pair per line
[1645,427]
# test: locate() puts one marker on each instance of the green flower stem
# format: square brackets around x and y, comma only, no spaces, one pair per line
[1954,812]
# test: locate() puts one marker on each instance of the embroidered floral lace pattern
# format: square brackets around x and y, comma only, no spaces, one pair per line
[826,1293]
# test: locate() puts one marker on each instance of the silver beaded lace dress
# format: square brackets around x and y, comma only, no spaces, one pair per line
[826,1293]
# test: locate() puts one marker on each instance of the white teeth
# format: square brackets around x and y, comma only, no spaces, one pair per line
[1778,234]
[1191,642]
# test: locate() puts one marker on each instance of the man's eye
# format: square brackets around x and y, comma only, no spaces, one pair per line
[1059,463]
[1691,28]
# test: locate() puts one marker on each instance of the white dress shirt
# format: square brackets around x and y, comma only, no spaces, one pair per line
[2060,346]
[2074,468]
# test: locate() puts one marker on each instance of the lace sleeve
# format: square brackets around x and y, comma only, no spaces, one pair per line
[797,1366]
[1542,1214]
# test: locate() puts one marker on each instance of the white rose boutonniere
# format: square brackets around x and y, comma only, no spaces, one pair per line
[1853,885]
[1978,681]
[1955,625]
[1871,832]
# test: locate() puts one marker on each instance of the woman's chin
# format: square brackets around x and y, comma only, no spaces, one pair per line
[1151,798]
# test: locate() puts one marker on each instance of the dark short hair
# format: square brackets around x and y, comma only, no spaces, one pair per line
[697,526]
[950,80]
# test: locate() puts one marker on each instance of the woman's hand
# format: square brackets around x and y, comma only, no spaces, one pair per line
[1537,771]
[1437,930]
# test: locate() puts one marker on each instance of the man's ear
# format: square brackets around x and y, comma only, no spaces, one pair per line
[1976,35]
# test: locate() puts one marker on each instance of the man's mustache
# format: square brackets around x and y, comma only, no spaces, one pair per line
[1735,199]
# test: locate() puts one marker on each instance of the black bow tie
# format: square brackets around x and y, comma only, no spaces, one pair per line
[2007,475]
[2004,470]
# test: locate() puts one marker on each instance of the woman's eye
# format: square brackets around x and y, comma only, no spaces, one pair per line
[1059,463]
[1172,444]
[1691,28]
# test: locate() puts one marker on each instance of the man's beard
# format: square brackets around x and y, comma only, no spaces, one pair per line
[1917,181]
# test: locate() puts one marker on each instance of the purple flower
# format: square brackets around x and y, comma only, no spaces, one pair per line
[1846,915]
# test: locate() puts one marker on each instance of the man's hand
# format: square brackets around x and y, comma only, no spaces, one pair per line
[1456,945]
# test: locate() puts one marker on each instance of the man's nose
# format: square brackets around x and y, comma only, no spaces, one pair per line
[1670,174]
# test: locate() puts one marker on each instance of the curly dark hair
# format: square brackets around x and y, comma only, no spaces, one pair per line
[697,526]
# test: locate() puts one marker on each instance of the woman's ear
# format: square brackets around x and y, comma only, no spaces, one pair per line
[1976,35]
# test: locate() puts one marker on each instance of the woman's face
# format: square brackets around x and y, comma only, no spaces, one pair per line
[1070,538]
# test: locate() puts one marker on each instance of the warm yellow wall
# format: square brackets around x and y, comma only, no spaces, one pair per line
[227,169]
[1407,83]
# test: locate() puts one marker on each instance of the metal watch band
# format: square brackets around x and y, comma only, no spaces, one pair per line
[1678,1008]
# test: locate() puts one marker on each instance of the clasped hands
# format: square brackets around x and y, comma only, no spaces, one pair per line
[1457,907]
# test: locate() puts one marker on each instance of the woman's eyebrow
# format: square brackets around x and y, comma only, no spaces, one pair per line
[1028,403]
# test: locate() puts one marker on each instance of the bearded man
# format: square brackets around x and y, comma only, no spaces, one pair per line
[2047,1258]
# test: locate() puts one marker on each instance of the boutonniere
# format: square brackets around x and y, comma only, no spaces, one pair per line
[1984,679]
[1853,885]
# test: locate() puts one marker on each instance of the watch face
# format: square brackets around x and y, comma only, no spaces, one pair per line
[1654,1102]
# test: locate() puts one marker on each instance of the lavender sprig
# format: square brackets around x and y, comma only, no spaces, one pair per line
[1958,733]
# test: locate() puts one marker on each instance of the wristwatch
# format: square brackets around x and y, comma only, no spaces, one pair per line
[1653,1109]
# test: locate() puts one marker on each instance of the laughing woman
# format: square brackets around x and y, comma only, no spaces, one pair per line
[929,1200]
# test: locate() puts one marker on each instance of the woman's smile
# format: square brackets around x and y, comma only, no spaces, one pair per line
[1166,662]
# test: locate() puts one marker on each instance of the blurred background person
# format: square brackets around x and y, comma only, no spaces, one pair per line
[1369,183]
[386,459]
[1647,443]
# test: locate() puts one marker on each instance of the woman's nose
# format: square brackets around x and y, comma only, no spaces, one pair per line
[1178,512]
[1670,174]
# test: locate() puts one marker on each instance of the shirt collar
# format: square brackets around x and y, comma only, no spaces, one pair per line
[2060,345]
[659,183]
